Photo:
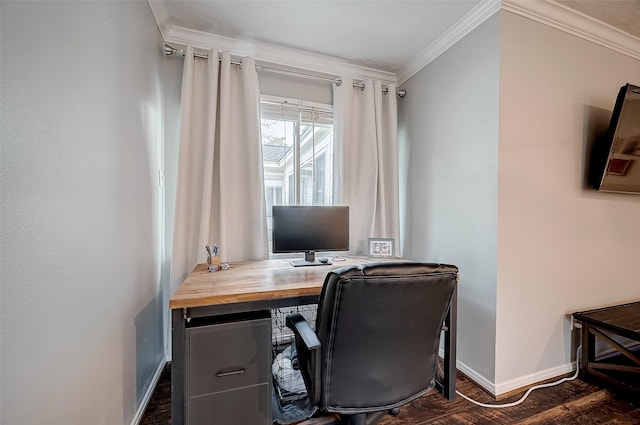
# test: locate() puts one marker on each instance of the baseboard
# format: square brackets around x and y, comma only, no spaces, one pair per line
[533,378]
[147,395]
[498,389]
[476,377]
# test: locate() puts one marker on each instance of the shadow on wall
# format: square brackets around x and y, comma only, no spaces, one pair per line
[596,122]
[477,325]
[149,345]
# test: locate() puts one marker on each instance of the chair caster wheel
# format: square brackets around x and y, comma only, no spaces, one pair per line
[395,411]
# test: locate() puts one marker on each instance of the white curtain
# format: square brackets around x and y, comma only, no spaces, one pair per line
[366,161]
[220,193]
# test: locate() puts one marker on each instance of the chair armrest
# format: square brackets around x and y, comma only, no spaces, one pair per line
[302,330]
[308,346]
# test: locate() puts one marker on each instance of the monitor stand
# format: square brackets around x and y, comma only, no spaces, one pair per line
[309,260]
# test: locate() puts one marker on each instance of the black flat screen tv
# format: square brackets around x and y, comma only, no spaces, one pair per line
[615,159]
[309,229]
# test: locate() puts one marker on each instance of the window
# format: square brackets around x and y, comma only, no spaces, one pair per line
[297,152]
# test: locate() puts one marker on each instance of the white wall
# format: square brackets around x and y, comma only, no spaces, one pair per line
[448,136]
[172,73]
[562,247]
[82,128]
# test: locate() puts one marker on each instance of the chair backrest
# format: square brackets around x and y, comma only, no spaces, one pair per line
[379,325]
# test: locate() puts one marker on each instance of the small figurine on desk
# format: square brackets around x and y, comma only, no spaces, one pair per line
[213,261]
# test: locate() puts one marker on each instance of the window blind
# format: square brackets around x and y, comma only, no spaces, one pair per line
[283,110]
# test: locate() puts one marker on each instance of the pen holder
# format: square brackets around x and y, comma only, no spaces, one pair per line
[213,263]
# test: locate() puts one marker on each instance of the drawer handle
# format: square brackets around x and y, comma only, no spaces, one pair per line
[231,372]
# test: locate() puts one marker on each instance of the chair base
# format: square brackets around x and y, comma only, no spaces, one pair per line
[332,419]
[362,419]
[366,418]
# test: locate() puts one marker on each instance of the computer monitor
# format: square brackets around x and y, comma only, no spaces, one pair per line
[309,229]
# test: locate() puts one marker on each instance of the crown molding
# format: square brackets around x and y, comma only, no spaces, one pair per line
[555,15]
[471,20]
[161,15]
[547,12]
[270,54]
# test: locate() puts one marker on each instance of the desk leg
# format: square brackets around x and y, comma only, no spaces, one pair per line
[450,337]
[588,349]
[177,367]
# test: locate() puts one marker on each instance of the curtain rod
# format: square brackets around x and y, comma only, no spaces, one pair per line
[170,51]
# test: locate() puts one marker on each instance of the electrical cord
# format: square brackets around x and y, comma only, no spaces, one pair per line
[530,390]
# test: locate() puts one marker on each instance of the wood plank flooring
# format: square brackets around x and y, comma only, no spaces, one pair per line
[576,402]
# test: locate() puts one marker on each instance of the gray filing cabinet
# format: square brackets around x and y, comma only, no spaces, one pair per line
[228,371]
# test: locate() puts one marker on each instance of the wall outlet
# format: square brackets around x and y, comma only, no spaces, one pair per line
[573,323]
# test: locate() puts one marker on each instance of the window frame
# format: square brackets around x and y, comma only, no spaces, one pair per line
[306,110]
[304,117]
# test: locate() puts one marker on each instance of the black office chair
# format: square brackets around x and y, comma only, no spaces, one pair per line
[377,337]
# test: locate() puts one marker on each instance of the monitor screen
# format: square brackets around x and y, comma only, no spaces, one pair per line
[310,228]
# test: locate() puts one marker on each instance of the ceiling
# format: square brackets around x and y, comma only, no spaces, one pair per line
[383,35]
[621,14]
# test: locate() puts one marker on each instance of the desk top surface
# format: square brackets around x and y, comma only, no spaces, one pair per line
[255,281]
[625,317]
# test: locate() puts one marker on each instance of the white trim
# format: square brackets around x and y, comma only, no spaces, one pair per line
[514,384]
[271,54]
[161,15]
[470,21]
[572,22]
[533,378]
[476,377]
[497,389]
[547,12]
[147,395]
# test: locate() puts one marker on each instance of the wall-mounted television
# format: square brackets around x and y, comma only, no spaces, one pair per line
[309,229]
[615,159]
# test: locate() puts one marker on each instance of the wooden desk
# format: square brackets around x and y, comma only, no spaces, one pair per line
[256,286]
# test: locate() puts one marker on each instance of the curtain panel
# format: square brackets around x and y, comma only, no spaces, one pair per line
[366,161]
[220,189]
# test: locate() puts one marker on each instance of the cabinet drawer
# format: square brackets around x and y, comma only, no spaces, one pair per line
[245,406]
[228,355]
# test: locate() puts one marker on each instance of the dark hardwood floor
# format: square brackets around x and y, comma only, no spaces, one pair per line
[158,411]
[575,402]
